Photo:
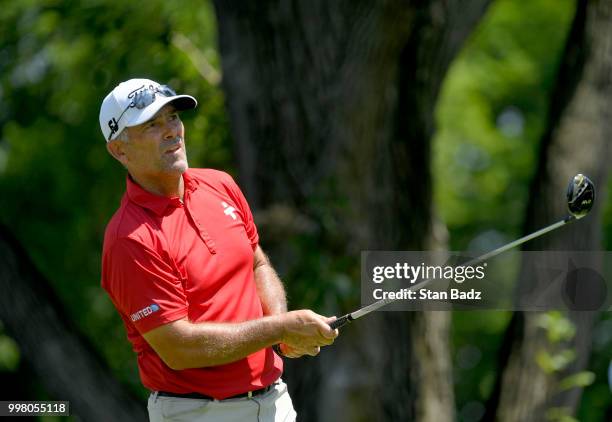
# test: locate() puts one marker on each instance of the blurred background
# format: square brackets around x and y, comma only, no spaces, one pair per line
[350,126]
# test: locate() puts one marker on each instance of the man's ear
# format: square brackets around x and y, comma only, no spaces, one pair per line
[116,148]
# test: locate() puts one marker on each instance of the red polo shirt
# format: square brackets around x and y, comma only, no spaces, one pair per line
[164,260]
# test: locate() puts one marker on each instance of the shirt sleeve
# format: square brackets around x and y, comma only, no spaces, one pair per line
[241,202]
[143,286]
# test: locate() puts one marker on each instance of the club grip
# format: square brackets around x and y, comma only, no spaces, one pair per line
[341,322]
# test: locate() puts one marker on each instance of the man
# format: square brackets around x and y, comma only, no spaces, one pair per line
[181,262]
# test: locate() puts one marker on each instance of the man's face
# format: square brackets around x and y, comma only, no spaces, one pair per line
[156,148]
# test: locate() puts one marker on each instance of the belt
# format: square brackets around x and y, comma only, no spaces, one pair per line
[248,394]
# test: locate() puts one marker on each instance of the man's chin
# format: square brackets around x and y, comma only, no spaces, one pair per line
[178,167]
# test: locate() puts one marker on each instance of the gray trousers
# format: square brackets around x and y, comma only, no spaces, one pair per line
[273,406]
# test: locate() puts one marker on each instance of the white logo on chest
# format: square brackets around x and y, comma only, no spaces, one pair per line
[231,211]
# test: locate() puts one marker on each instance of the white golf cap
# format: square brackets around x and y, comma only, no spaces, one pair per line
[134,102]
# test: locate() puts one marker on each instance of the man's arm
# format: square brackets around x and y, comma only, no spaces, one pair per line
[274,300]
[183,344]
[269,286]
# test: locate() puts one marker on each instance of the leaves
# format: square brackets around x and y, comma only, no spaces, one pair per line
[491,114]
[580,379]
[554,362]
[558,327]
[560,414]
[9,354]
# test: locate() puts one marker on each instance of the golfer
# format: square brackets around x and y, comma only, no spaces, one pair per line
[202,306]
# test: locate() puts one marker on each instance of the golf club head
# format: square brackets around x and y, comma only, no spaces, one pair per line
[580,195]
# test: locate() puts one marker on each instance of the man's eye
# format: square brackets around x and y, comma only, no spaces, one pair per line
[174,116]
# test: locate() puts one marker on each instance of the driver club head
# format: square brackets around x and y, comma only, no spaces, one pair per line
[580,195]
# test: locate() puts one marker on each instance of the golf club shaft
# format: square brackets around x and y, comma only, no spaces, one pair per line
[345,319]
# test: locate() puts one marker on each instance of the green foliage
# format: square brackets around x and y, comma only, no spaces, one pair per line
[58,185]
[554,362]
[9,354]
[597,395]
[491,114]
[476,341]
[558,327]
[580,379]
[560,414]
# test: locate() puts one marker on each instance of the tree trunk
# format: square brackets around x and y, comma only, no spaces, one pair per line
[576,141]
[332,103]
[68,366]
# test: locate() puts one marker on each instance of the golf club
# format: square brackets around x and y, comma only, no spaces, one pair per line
[580,199]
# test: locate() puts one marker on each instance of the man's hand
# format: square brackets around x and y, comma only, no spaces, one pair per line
[305,333]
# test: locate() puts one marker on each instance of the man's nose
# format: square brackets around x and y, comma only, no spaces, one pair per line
[171,129]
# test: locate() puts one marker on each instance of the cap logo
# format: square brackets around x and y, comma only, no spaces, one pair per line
[113,125]
[142,97]
[134,92]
